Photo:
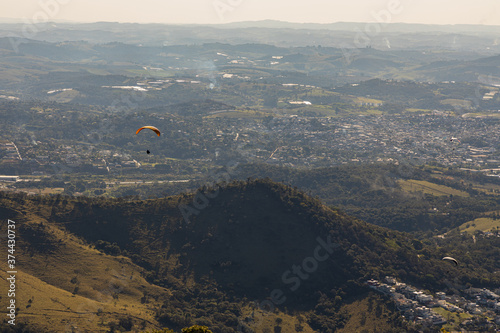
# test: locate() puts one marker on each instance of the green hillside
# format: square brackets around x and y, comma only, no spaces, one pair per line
[207,256]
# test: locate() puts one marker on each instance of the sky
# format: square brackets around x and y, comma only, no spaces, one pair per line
[226,11]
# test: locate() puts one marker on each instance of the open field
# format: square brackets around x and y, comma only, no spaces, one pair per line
[483,224]
[415,186]
[490,189]
[454,319]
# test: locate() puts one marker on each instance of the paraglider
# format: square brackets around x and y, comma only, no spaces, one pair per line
[154,129]
[455,140]
[451,260]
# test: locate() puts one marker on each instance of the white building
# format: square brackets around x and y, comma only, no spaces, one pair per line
[9,178]
[440,295]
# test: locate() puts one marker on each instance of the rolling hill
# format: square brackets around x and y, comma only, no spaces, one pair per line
[201,258]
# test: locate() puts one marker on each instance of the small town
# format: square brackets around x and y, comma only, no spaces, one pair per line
[476,306]
[292,141]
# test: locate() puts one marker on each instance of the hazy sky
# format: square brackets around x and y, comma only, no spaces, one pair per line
[224,11]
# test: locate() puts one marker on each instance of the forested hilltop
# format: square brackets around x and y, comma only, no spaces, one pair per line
[425,200]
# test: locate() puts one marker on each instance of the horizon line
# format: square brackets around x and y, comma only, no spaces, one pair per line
[7,20]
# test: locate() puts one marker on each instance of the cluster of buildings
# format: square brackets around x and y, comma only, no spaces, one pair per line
[478,299]
[9,152]
[417,305]
[421,139]
[470,143]
[40,160]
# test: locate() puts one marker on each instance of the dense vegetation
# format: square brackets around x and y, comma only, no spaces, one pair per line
[373,194]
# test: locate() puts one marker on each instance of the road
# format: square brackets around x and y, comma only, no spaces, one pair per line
[148,182]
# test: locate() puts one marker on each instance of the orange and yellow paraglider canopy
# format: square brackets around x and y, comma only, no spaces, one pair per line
[157,131]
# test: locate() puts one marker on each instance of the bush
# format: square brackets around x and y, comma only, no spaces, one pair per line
[196,329]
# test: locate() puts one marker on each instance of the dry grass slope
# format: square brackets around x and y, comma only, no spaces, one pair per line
[483,224]
[368,314]
[421,186]
[73,285]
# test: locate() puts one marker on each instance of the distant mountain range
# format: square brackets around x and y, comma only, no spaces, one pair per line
[350,26]
[276,24]
[346,34]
